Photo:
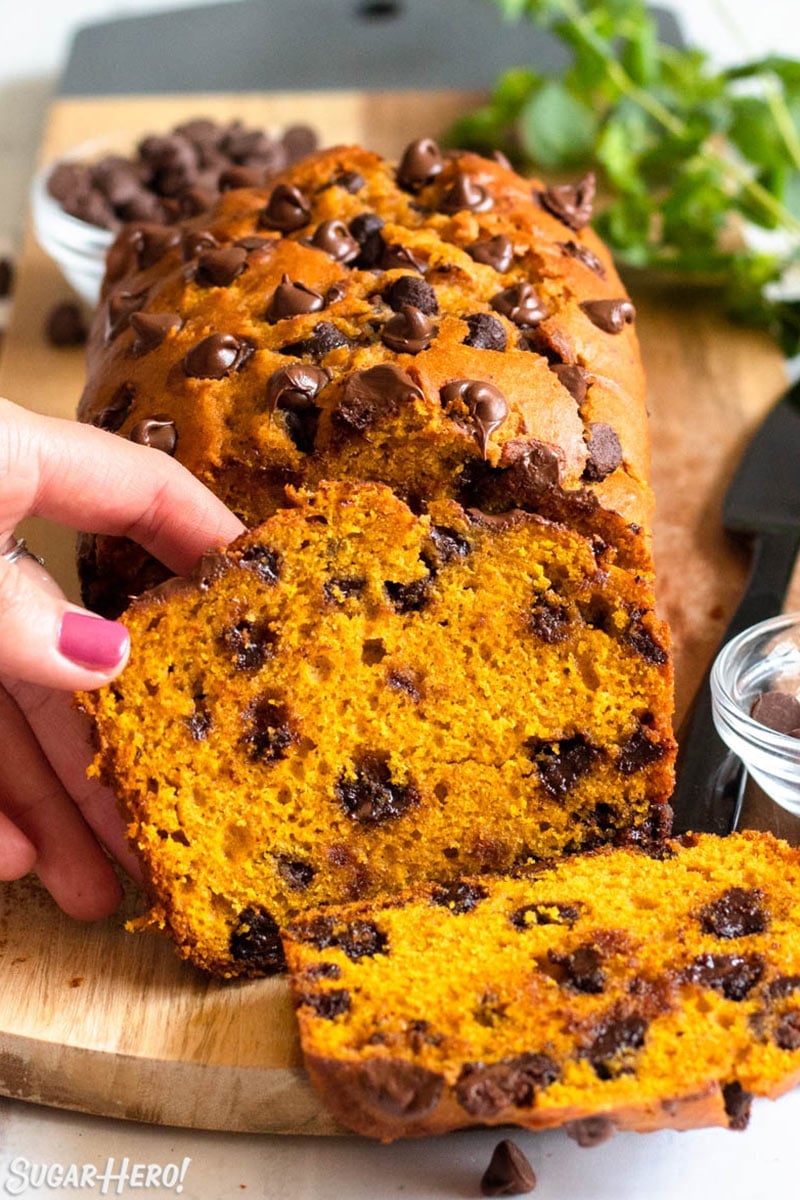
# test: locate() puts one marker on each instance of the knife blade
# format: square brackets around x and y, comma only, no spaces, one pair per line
[762,503]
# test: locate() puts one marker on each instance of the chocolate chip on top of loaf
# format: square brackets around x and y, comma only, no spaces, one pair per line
[611,991]
[353,698]
[460,331]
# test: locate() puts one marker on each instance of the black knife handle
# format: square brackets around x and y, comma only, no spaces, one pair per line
[710,780]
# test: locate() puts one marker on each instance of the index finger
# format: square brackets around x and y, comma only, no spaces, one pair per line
[93,480]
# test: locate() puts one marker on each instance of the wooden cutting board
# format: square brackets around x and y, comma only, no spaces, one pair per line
[95,1019]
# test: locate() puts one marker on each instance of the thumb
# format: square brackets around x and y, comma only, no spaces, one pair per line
[46,640]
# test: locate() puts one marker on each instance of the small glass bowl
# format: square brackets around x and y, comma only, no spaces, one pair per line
[765,657]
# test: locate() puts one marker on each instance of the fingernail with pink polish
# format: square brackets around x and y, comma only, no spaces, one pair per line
[92,642]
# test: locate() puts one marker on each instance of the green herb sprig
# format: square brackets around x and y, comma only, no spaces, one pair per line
[687,156]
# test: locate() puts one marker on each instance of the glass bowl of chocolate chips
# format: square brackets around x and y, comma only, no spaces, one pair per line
[755,690]
[81,201]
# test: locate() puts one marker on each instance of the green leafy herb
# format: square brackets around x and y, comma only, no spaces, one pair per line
[689,159]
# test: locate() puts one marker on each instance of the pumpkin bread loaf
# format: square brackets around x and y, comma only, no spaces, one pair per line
[609,991]
[354,698]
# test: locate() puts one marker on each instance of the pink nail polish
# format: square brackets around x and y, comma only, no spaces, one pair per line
[91,641]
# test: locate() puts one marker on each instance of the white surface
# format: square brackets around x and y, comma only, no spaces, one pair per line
[707,1165]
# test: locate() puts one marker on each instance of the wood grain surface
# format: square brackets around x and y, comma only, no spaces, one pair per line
[95,1019]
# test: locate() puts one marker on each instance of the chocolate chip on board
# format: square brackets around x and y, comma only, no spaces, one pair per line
[509,1173]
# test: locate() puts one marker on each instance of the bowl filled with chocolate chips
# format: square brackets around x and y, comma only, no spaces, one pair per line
[81,201]
[755,688]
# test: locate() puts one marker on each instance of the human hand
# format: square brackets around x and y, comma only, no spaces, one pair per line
[53,819]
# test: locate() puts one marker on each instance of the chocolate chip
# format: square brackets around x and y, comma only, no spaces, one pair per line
[121,305]
[315,931]
[294,387]
[325,337]
[338,590]
[732,974]
[450,545]
[219,268]
[605,454]
[583,969]
[286,210]
[250,643]
[421,162]
[395,257]
[68,179]
[374,395]
[590,1131]
[584,255]
[195,241]
[521,303]
[255,244]
[370,796]
[151,330]
[401,680]
[269,734]
[199,722]
[509,1173]
[65,325]
[781,986]
[787,1031]
[484,403]
[609,315]
[408,332]
[351,181]
[638,752]
[152,242]
[361,939]
[263,562]
[409,597]
[575,380]
[571,203]
[113,416]
[334,238]
[6,277]
[256,941]
[336,292]
[323,970]
[551,343]
[484,1089]
[640,639]
[777,710]
[216,356]
[411,290]
[544,913]
[291,298]
[158,431]
[465,193]
[327,1005]
[485,332]
[400,1089]
[534,470]
[737,913]
[497,252]
[239,177]
[609,1052]
[561,764]
[459,897]
[366,228]
[549,621]
[93,208]
[737,1105]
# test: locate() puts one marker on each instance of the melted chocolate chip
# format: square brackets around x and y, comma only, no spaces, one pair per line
[732,974]
[401,1089]
[375,395]
[484,1089]
[583,969]
[269,734]
[338,590]
[409,597]
[287,209]
[324,337]
[465,193]
[604,451]
[334,238]
[590,1131]
[239,177]
[737,1105]
[610,1051]
[422,161]
[151,330]
[544,913]
[534,469]
[459,897]
[509,1173]
[521,303]
[113,416]
[777,710]
[609,315]
[194,241]
[584,255]
[219,268]
[571,203]
[484,403]
[640,639]
[549,621]
[408,332]
[323,970]
[351,181]
[395,257]
[295,387]
[158,431]
[411,290]
[152,242]
[575,380]
[639,752]
[263,562]
[327,1005]
[255,244]
[119,309]
[216,356]
[256,941]
[370,796]
[366,229]
[296,875]
[291,298]
[787,1030]
[561,764]
[485,332]
[781,986]
[450,545]
[497,252]
[250,643]
[737,913]
[361,939]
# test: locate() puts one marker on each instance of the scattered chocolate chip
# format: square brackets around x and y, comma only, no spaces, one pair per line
[459,897]
[777,710]
[450,545]
[465,193]
[571,203]
[421,162]
[338,590]
[638,752]
[401,1089]
[583,969]
[737,1105]
[509,1173]
[65,325]
[610,1051]
[295,387]
[521,303]
[256,941]
[151,330]
[484,1089]
[263,562]
[484,403]
[485,332]
[409,597]
[370,796]
[327,1005]
[408,332]
[561,764]
[250,643]
[609,315]
[497,252]
[411,290]
[544,913]
[590,1131]
[787,1031]
[219,268]
[291,298]
[575,380]
[158,431]
[737,913]
[113,416]
[366,229]
[334,238]
[216,356]
[584,255]
[286,210]
[269,734]
[374,395]
[640,639]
